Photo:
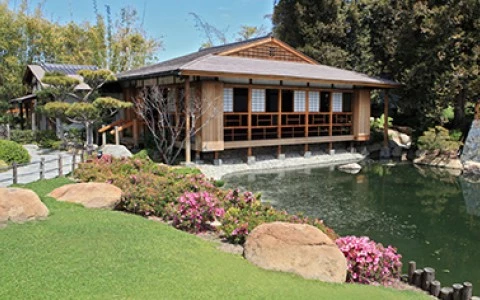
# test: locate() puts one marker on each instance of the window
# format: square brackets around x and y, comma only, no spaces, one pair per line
[258,100]
[171,103]
[325,101]
[313,101]
[347,102]
[228,100]
[299,101]
[337,102]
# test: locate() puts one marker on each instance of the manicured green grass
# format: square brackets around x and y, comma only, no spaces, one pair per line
[82,253]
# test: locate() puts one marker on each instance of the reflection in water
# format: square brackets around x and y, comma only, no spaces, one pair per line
[429,215]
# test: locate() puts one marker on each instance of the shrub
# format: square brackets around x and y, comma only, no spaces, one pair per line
[22,136]
[244,212]
[194,212]
[13,152]
[369,262]
[439,138]
[142,154]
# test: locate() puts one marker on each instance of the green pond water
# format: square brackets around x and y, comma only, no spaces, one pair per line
[432,218]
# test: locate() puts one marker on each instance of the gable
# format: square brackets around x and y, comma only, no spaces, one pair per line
[270,50]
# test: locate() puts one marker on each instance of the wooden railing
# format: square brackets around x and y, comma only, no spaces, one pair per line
[273,125]
[119,126]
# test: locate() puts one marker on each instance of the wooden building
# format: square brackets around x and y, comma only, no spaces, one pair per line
[26,106]
[261,92]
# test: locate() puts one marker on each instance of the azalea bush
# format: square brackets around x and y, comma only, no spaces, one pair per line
[245,211]
[195,211]
[369,262]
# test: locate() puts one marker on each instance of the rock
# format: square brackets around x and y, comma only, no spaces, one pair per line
[91,194]
[471,150]
[405,139]
[20,205]
[440,162]
[471,167]
[117,151]
[374,147]
[297,248]
[397,151]
[400,139]
[350,168]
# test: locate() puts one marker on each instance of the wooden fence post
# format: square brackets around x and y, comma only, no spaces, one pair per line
[60,165]
[74,160]
[135,133]
[435,287]
[82,156]
[412,266]
[457,291]
[427,278]
[467,291]
[42,168]
[15,173]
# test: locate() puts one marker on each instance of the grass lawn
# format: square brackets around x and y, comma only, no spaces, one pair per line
[82,253]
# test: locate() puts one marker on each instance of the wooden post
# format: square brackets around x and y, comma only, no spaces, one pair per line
[104,137]
[417,278]
[435,287]
[427,277]
[330,128]
[82,155]
[42,168]
[412,266]
[60,165]
[188,145]
[385,121]
[279,116]
[307,108]
[117,136]
[249,120]
[467,291]
[22,121]
[135,133]
[445,293]
[457,291]
[15,173]
[74,160]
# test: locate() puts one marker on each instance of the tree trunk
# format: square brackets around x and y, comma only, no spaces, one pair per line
[459,110]
[89,130]
[59,128]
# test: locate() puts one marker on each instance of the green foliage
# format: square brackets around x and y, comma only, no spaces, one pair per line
[378,123]
[56,109]
[219,183]
[82,111]
[43,138]
[439,138]
[186,171]
[3,166]
[429,46]
[142,154]
[11,151]
[111,103]
[59,79]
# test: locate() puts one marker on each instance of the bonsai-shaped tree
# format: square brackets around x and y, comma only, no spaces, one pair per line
[88,108]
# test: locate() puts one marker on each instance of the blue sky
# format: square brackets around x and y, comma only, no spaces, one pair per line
[170,20]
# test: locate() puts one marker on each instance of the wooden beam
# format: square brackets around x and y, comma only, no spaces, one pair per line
[288,141]
[385,121]
[188,146]
[279,121]
[307,108]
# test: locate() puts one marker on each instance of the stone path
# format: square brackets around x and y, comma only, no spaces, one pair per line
[31,172]
[217,172]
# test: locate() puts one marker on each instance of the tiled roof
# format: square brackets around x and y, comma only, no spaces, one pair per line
[177,63]
[293,70]
[66,69]
[208,62]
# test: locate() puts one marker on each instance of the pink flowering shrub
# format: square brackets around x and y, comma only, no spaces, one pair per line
[244,212]
[194,211]
[369,262]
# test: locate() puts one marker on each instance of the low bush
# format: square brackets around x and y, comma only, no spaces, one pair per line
[194,212]
[43,138]
[369,262]
[439,138]
[11,151]
[190,201]
[245,211]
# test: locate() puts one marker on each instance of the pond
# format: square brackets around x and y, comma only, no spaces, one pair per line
[431,217]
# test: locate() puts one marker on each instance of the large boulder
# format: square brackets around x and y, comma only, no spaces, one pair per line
[91,194]
[116,151]
[296,248]
[20,205]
